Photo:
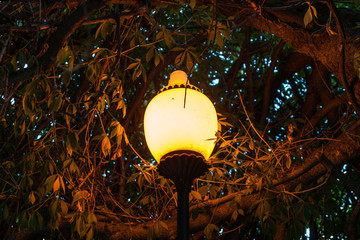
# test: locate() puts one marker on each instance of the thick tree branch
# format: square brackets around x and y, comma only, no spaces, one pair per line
[337,152]
[318,45]
[342,57]
[320,114]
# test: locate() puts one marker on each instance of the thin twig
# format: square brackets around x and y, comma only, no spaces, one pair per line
[251,124]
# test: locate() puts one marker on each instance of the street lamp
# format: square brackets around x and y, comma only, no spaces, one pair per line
[180,124]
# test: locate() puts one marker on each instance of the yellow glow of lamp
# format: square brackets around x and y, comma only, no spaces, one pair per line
[180,118]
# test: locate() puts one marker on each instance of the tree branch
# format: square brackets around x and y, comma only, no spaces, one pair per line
[318,45]
[139,99]
[268,82]
[337,152]
[353,222]
[58,37]
[342,57]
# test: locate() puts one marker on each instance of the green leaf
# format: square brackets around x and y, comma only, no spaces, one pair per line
[63,55]
[211,33]
[114,132]
[91,218]
[157,59]
[28,106]
[32,87]
[32,221]
[164,225]
[49,182]
[189,62]
[72,142]
[56,184]
[159,35]
[149,54]
[288,161]
[308,17]
[131,66]
[251,145]
[23,219]
[234,215]
[71,111]
[225,143]
[177,49]
[167,37]
[65,78]
[137,72]
[179,58]
[209,229]
[71,60]
[114,124]
[313,9]
[73,168]
[192,4]
[226,33]
[196,195]
[145,201]
[64,207]
[104,52]
[31,197]
[101,103]
[55,102]
[40,219]
[133,177]
[90,234]
[62,183]
[203,190]
[265,158]
[219,39]
[214,190]
[14,62]
[91,72]
[241,212]
[106,146]
[107,28]
[80,226]
[121,105]
[78,195]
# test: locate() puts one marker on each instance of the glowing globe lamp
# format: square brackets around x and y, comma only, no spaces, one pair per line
[180,126]
[180,118]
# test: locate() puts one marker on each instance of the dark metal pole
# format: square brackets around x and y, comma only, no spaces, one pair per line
[182,167]
[182,210]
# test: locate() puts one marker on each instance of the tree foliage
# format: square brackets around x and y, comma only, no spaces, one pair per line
[76,77]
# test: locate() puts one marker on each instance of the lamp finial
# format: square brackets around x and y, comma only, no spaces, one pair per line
[178,77]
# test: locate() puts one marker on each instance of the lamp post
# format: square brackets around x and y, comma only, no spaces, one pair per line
[180,124]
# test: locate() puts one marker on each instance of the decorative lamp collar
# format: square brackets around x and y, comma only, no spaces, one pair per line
[178,79]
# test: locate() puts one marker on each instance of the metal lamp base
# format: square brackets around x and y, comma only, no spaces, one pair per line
[182,167]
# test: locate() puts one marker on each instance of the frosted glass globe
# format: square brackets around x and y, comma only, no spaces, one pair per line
[170,125]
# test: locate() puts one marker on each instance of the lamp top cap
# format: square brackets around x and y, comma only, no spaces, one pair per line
[178,77]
